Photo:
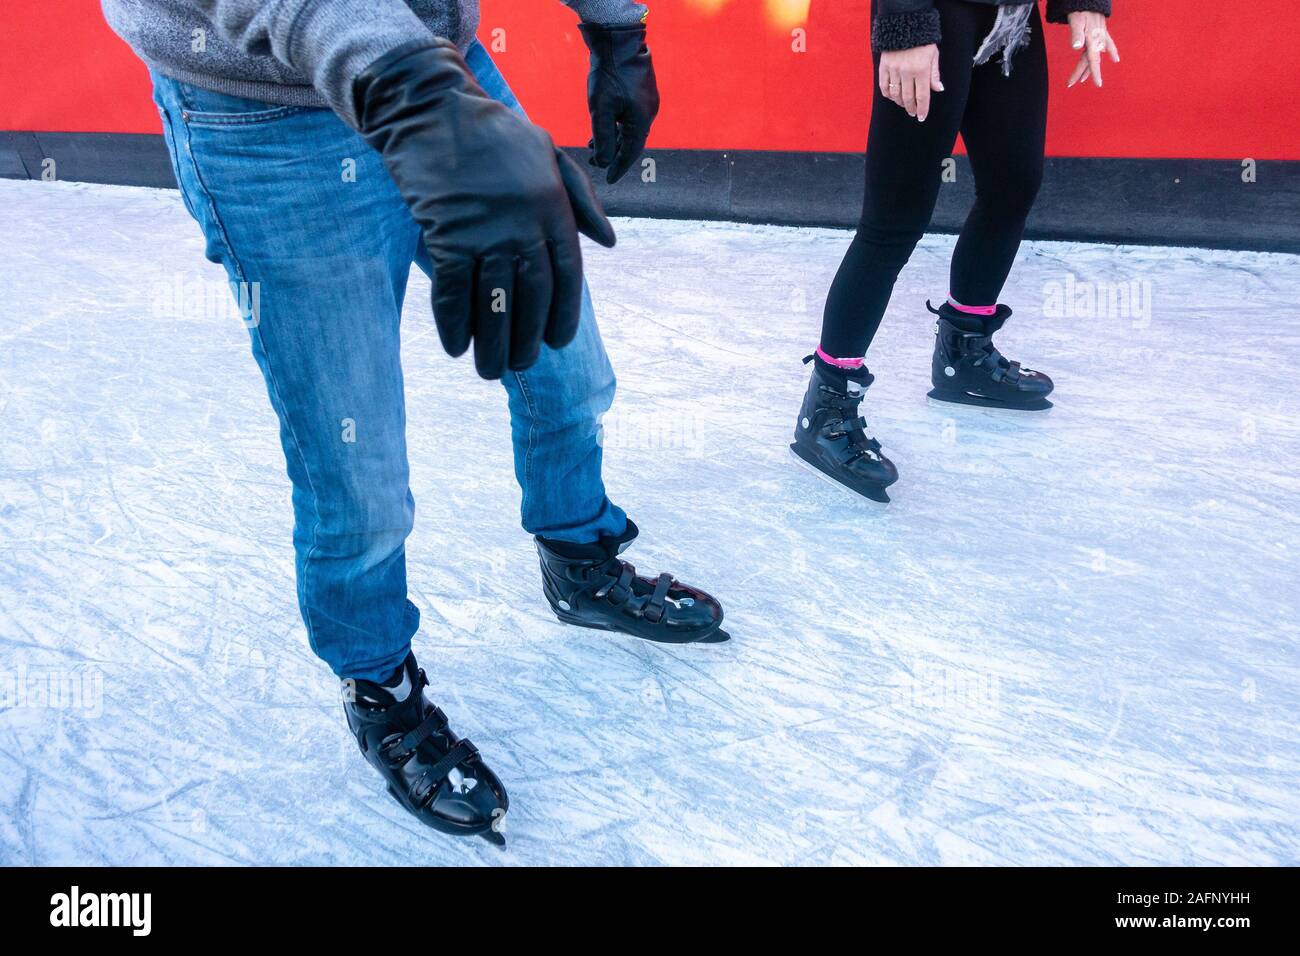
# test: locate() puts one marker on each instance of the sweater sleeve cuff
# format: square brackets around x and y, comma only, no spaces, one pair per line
[609,13]
[902,31]
[333,43]
[1058,11]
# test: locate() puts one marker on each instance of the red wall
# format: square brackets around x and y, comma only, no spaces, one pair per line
[1200,78]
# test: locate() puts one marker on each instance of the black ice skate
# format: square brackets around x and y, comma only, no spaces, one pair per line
[831,436]
[439,778]
[588,585]
[967,369]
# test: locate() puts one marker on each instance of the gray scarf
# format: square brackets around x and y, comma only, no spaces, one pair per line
[1009,34]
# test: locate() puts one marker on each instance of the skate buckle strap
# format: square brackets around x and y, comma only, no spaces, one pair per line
[847,399]
[1009,374]
[654,608]
[618,592]
[846,425]
[399,747]
[870,447]
[432,778]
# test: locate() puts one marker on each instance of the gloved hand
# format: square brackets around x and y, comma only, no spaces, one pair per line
[500,206]
[622,95]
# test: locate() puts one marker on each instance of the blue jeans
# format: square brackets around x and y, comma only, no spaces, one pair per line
[308,225]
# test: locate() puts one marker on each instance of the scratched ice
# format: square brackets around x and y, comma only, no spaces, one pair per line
[1071,638]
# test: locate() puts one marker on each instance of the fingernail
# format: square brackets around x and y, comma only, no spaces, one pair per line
[1078,45]
[941,89]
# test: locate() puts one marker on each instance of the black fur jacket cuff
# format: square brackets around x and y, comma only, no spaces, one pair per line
[1059,10]
[902,31]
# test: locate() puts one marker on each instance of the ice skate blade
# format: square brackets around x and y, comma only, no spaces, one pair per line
[874,492]
[714,635]
[963,398]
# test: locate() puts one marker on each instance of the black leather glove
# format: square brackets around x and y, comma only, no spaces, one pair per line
[500,206]
[622,95]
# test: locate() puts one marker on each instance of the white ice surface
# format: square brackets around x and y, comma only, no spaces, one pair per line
[1071,638]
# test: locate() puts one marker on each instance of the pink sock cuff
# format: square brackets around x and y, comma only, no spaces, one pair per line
[839,362]
[972,309]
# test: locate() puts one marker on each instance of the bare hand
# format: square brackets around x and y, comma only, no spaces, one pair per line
[907,77]
[1089,35]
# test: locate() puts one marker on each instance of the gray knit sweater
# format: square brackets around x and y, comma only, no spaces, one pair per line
[300,52]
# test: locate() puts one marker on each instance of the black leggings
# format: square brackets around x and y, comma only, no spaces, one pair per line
[1003,121]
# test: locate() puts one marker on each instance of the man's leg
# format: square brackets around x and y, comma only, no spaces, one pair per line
[299,209]
[555,411]
[555,408]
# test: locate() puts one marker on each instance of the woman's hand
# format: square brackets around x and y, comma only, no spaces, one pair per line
[1088,33]
[909,76]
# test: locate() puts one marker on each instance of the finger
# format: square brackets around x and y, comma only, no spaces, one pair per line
[884,81]
[894,88]
[494,300]
[629,150]
[1114,50]
[604,128]
[909,95]
[1080,69]
[566,300]
[587,214]
[1077,31]
[936,82]
[534,283]
[1096,46]
[922,98]
[452,298]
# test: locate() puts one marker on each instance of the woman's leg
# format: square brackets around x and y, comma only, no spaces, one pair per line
[904,166]
[904,170]
[1005,129]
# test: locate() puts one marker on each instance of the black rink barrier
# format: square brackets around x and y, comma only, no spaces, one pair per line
[1214,203]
